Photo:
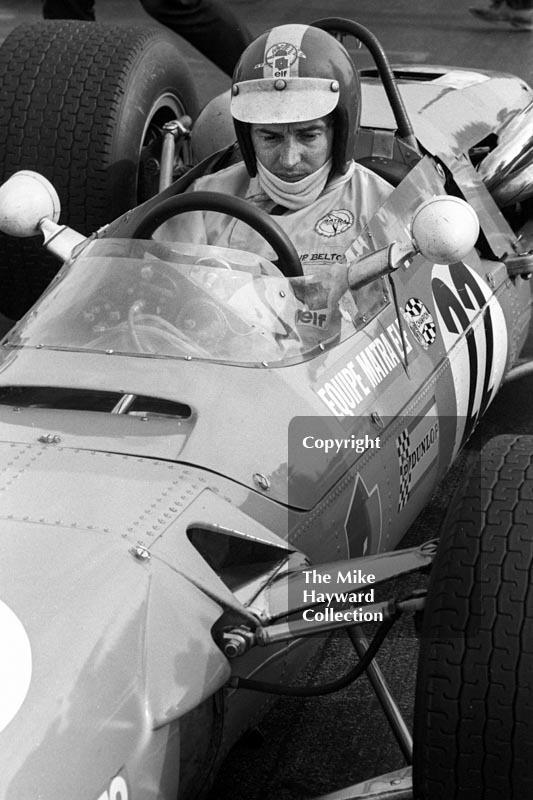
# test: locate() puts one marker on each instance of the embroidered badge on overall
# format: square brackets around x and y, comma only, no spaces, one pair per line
[334,222]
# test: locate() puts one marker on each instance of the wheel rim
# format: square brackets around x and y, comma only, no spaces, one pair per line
[167,107]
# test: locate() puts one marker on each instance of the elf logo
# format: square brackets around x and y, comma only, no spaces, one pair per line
[316,319]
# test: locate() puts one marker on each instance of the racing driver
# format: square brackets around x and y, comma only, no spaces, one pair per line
[295,103]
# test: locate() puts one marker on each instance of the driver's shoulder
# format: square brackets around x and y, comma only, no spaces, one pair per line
[231,180]
[365,178]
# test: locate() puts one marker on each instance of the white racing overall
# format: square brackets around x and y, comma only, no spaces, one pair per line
[320,232]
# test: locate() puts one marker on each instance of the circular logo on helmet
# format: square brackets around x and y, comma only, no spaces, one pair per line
[280,57]
[420,322]
[334,222]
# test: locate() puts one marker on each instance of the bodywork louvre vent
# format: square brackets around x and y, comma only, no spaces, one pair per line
[67,399]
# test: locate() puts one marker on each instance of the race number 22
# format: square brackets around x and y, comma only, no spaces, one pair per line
[474,333]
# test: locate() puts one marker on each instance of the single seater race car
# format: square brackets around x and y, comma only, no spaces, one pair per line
[210,457]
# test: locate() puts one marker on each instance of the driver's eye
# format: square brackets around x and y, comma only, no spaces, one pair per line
[311,136]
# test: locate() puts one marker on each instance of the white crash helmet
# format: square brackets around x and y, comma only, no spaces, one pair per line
[295,73]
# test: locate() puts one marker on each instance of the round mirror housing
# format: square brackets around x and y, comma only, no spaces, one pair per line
[444,229]
[27,198]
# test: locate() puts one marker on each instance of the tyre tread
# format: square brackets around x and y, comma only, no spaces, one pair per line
[62,90]
[475,689]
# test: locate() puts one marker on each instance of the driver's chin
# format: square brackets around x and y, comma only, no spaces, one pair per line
[283,172]
[292,177]
[291,174]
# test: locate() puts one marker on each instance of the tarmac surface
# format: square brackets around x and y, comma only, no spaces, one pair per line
[307,747]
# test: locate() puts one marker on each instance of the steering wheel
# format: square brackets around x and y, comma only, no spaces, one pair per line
[258,220]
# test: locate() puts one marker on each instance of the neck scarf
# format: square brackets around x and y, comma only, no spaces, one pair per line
[294,194]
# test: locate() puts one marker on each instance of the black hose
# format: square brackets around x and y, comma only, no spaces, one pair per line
[327,688]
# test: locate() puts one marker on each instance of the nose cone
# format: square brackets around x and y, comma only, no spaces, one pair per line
[102,655]
[109,643]
[72,608]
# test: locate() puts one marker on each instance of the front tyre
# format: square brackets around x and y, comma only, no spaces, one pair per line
[83,104]
[474,697]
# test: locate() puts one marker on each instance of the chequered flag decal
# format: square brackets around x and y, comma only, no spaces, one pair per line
[427,328]
[403,446]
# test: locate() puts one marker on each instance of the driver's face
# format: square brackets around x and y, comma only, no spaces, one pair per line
[294,150]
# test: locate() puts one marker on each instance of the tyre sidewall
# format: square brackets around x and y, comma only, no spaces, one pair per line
[160,73]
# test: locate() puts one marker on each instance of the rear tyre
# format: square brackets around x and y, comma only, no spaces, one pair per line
[83,104]
[474,697]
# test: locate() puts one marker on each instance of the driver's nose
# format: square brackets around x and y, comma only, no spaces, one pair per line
[290,154]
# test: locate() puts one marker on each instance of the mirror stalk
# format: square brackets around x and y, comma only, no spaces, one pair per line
[381,262]
[60,239]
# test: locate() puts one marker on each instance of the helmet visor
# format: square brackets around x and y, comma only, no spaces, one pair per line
[285,100]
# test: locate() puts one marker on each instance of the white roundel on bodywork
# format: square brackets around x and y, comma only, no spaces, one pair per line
[476,343]
[15,665]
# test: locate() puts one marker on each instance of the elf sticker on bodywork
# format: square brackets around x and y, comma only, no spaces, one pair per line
[15,665]
[313,296]
[420,322]
[372,367]
[334,222]
[418,448]
[474,333]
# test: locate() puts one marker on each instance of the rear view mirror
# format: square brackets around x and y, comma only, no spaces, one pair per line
[444,229]
[25,200]
[29,206]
